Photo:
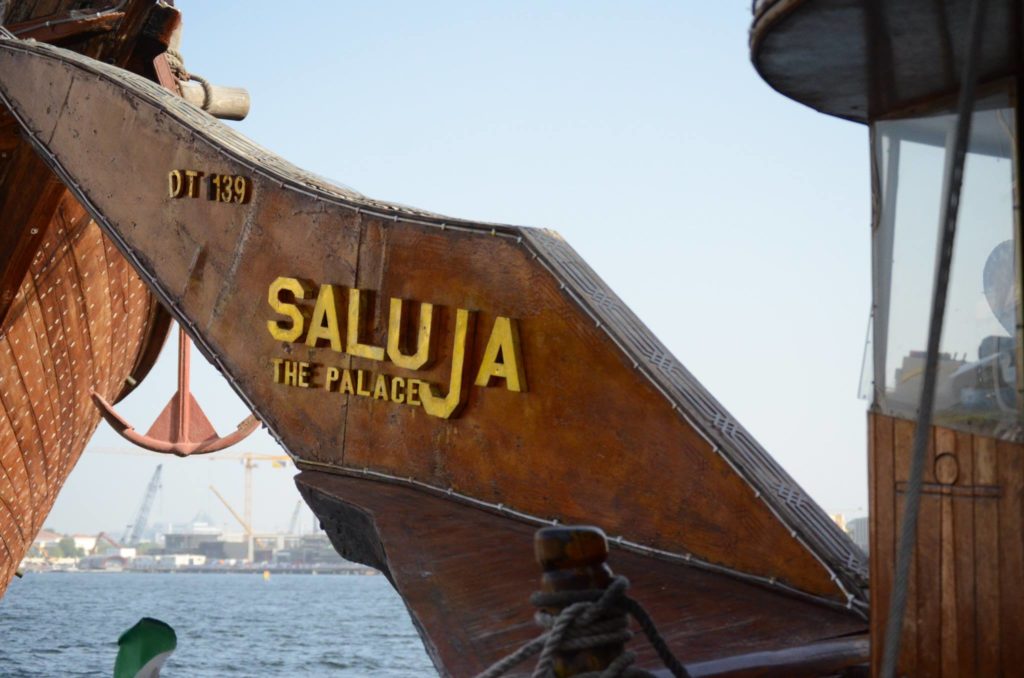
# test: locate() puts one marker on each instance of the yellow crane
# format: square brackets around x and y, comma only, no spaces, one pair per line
[249,459]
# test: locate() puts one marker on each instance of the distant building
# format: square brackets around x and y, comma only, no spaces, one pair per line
[311,548]
[47,538]
[86,542]
[189,542]
[858,531]
[180,560]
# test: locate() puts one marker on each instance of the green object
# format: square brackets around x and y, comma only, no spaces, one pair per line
[144,648]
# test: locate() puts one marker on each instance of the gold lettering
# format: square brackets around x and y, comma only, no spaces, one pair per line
[504,342]
[346,382]
[380,388]
[291,373]
[303,375]
[356,303]
[175,186]
[360,387]
[293,330]
[331,377]
[422,354]
[412,392]
[277,369]
[325,311]
[447,405]
[192,183]
[397,390]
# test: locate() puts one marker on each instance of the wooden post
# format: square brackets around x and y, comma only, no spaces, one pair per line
[573,559]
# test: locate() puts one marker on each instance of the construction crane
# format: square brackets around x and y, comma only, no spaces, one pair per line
[241,521]
[249,459]
[101,537]
[295,518]
[133,532]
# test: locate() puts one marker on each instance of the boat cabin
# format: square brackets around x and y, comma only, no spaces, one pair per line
[907,69]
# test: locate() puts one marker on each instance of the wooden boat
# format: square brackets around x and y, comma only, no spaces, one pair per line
[74,315]
[77,324]
[447,386]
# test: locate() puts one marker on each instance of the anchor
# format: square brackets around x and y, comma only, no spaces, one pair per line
[182,427]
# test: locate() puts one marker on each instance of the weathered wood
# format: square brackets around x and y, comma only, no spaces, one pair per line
[986,561]
[574,558]
[928,590]
[62,31]
[966,587]
[903,437]
[82,314]
[947,469]
[881,488]
[1011,555]
[75,317]
[846,657]
[29,195]
[963,551]
[226,103]
[466,576]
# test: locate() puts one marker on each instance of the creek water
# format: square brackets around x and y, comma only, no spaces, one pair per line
[67,624]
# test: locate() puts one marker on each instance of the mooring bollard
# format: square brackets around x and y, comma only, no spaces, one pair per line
[574,559]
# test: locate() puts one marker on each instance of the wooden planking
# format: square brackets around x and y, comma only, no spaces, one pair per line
[967,585]
[882,533]
[986,560]
[29,197]
[903,437]
[1011,556]
[928,583]
[964,559]
[50,347]
[52,352]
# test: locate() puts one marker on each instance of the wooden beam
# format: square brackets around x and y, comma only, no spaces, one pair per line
[58,30]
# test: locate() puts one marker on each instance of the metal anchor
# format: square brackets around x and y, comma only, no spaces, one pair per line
[182,427]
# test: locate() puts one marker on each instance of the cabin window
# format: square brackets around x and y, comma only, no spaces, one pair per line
[979,382]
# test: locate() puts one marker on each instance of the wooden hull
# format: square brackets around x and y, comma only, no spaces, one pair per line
[74,315]
[80,321]
[477,365]
[466,573]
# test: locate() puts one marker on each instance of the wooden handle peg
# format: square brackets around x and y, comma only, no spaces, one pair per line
[573,559]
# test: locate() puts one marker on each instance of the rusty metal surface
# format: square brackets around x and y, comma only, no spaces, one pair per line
[181,428]
[612,429]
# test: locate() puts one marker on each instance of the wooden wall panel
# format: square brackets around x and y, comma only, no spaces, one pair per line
[967,579]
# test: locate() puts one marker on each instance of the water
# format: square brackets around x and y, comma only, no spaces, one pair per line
[227,625]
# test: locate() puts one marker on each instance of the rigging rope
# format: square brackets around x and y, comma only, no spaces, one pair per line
[177,65]
[590,619]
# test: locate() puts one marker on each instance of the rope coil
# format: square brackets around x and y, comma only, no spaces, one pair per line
[589,619]
[176,62]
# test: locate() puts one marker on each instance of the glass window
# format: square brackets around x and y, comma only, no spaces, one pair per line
[978,387]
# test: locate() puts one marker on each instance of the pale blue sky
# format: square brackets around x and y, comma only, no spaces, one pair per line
[733,221]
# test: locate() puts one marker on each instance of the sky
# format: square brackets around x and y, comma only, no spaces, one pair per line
[734,222]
